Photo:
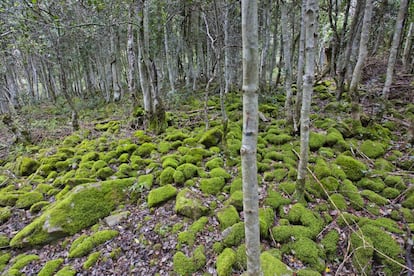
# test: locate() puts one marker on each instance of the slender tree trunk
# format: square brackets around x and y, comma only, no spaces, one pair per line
[248,149]
[363,52]
[287,57]
[394,48]
[301,63]
[114,68]
[407,46]
[311,15]
[131,57]
[171,75]
[266,42]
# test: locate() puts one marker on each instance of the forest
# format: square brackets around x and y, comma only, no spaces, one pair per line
[217,137]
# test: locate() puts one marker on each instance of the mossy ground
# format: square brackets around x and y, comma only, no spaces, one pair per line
[199,178]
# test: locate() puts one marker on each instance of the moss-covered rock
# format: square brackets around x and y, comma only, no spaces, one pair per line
[5,214]
[284,233]
[216,162]
[274,199]
[273,266]
[26,166]
[50,267]
[333,137]
[266,219]
[22,260]
[4,241]
[278,139]
[353,168]
[184,265]
[372,149]
[81,207]
[85,244]
[308,252]
[349,190]
[188,170]
[338,201]
[161,194]
[374,184]
[225,262]
[234,235]
[66,271]
[189,236]
[145,149]
[236,199]
[330,244]
[395,181]
[145,181]
[190,204]
[91,260]
[316,141]
[228,216]
[26,200]
[212,185]
[374,197]
[220,172]
[38,206]
[409,201]
[212,137]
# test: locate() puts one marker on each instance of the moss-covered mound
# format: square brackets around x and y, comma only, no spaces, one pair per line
[80,208]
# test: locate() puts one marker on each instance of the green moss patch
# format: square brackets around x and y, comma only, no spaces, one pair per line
[349,190]
[5,214]
[161,194]
[372,149]
[234,235]
[66,271]
[80,208]
[184,265]
[353,168]
[309,252]
[28,199]
[189,236]
[212,185]
[316,141]
[228,216]
[225,262]
[211,137]
[50,267]
[189,204]
[273,266]
[83,245]
[91,260]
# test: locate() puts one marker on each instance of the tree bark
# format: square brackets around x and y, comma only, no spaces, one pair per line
[287,58]
[301,63]
[363,52]
[311,15]
[394,48]
[131,57]
[248,149]
[407,46]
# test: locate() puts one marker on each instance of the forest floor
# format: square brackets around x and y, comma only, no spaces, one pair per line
[358,217]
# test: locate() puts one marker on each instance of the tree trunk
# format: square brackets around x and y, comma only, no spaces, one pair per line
[301,63]
[287,58]
[311,15]
[114,68]
[394,48]
[248,149]
[363,52]
[131,57]
[407,46]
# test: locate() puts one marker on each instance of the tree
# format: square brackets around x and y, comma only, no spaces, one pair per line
[248,149]
[311,14]
[363,52]
[394,48]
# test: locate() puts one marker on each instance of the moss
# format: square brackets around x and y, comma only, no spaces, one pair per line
[372,149]
[5,214]
[211,137]
[161,194]
[236,185]
[228,216]
[274,199]
[395,181]
[376,185]
[330,184]
[188,170]
[126,147]
[288,187]
[215,163]
[189,204]
[307,272]
[353,168]
[266,219]
[330,244]
[409,201]
[333,137]
[176,135]
[28,199]
[220,172]
[236,199]
[273,155]
[278,139]
[91,261]
[38,206]
[212,185]
[225,262]
[298,213]
[145,149]
[338,201]
[179,177]
[234,235]
[104,173]
[86,245]
[350,191]
[146,181]
[273,266]
[22,260]
[193,159]
[383,165]
[5,258]
[170,162]
[308,252]
[27,166]
[390,193]
[80,208]
[66,271]
[4,241]
[316,141]
[50,267]
[374,197]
